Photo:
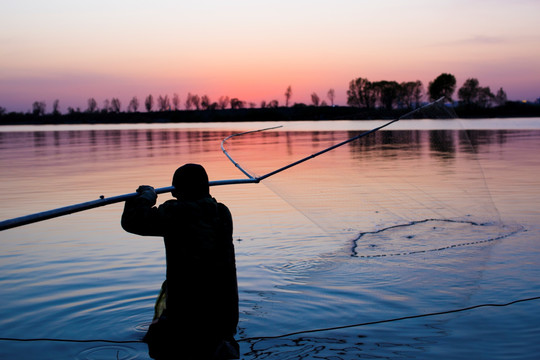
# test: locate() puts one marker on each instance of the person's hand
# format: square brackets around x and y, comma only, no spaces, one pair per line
[147,192]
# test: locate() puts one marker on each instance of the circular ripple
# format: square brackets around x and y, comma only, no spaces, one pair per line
[108,352]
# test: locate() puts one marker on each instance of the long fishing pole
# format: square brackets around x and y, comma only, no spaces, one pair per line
[102,201]
[262,177]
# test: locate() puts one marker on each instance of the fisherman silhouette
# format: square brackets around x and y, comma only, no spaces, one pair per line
[196,313]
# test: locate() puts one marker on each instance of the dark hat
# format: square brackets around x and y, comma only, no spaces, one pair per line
[190,182]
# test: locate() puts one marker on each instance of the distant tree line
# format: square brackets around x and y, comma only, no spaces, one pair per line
[164,103]
[391,94]
[362,93]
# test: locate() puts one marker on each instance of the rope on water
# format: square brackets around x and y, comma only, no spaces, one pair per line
[256,338]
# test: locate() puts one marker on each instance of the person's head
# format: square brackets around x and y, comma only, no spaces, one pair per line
[190,182]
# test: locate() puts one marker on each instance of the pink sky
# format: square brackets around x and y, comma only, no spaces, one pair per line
[253,50]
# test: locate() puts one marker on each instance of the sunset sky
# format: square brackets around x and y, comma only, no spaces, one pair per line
[73,50]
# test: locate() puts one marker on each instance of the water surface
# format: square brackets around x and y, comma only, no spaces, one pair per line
[422,218]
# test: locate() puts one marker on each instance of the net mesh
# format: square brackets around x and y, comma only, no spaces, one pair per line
[393,192]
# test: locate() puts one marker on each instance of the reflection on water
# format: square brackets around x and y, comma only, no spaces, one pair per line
[314,244]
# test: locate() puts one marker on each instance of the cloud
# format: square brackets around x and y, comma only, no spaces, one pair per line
[474,40]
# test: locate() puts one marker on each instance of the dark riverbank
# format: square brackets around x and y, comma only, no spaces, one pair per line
[297,112]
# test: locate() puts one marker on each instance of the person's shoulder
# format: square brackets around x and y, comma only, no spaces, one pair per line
[170,205]
[172,202]
[223,209]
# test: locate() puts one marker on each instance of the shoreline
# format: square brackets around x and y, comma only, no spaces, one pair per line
[294,113]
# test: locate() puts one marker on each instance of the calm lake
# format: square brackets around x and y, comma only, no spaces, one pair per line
[422,218]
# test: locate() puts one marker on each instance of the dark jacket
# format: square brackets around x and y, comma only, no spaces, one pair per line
[202,291]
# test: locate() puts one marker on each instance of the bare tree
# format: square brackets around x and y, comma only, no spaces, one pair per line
[133,104]
[315,100]
[176,102]
[38,108]
[223,102]
[164,103]
[205,102]
[92,105]
[237,103]
[272,104]
[331,95]
[189,102]
[193,101]
[288,94]
[361,93]
[56,107]
[149,103]
[410,94]
[196,100]
[116,105]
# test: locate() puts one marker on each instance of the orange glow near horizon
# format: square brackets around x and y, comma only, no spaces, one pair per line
[72,52]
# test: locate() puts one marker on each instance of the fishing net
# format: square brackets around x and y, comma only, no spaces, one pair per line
[414,187]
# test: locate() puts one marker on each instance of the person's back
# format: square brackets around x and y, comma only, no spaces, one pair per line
[201,290]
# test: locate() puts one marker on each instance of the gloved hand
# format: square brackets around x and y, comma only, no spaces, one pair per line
[147,192]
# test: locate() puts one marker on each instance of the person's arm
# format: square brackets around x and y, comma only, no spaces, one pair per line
[140,216]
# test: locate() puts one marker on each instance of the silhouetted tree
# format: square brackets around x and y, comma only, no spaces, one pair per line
[471,93]
[2,110]
[38,108]
[149,103]
[223,102]
[500,98]
[237,104]
[485,97]
[468,93]
[92,105]
[361,93]
[315,100]
[443,86]
[116,105]
[272,104]
[196,101]
[411,94]
[176,101]
[205,102]
[387,92]
[133,104]
[56,107]
[355,94]
[331,95]
[189,102]
[263,104]
[288,94]
[418,93]
[164,103]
